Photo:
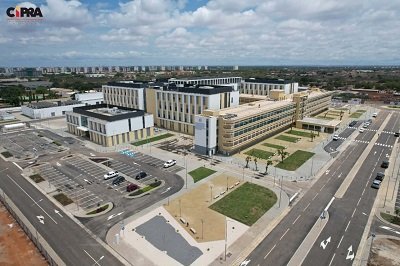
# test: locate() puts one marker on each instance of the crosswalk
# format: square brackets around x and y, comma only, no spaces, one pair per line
[374,130]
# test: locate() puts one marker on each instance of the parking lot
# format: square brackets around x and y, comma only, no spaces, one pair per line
[152,161]
[82,196]
[28,144]
[129,170]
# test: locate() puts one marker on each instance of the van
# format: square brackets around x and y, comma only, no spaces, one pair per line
[385,164]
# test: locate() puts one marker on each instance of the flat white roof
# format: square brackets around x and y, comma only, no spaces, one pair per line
[321,122]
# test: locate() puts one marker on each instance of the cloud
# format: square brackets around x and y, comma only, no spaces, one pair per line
[66,13]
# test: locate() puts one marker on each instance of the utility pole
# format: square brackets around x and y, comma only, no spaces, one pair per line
[186,181]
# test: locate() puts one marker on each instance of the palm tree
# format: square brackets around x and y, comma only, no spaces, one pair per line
[269,162]
[255,162]
[283,154]
[248,159]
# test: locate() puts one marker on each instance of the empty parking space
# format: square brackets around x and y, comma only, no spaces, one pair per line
[129,170]
[76,192]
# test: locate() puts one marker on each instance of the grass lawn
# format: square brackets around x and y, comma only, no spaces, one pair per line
[390,218]
[361,111]
[100,209]
[287,138]
[6,154]
[145,141]
[356,115]
[246,204]
[394,106]
[36,178]
[278,147]
[260,154]
[295,160]
[56,143]
[63,199]
[200,173]
[299,133]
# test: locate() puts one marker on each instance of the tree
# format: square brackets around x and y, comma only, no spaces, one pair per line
[248,159]
[255,162]
[283,154]
[269,162]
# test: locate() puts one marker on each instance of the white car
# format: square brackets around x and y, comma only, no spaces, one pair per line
[374,114]
[335,137]
[169,163]
[361,130]
[111,174]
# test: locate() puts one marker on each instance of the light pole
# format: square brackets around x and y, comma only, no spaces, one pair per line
[226,236]
[202,227]
[243,173]
[312,165]
[211,187]
[280,193]
[227,177]
[180,208]
[186,181]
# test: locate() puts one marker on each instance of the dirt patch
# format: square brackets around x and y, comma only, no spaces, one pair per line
[385,252]
[15,247]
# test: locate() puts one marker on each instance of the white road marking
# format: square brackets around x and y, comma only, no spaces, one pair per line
[296,219]
[340,242]
[41,219]
[32,199]
[325,243]
[347,226]
[329,204]
[350,253]
[353,212]
[315,196]
[20,168]
[330,263]
[269,251]
[306,207]
[359,201]
[96,262]
[363,191]
[287,230]
[114,215]
[322,187]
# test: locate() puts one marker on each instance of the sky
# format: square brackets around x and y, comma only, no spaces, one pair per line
[200,32]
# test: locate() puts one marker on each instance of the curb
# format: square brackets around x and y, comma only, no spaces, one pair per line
[147,192]
[109,208]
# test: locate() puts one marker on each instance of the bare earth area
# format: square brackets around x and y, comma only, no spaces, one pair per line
[15,247]
[385,252]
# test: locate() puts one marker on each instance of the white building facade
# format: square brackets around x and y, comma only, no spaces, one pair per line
[127,94]
[264,86]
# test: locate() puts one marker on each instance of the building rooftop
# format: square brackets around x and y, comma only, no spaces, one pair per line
[320,122]
[200,78]
[108,112]
[42,105]
[197,89]
[128,84]
[268,81]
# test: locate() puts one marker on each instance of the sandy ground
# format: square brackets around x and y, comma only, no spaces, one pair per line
[385,252]
[193,207]
[15,247]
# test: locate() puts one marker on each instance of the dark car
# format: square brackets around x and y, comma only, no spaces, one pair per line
[396,134]
[353,123]
[118,180]
[131,187]
[140,175]
[380,176]
[385,164]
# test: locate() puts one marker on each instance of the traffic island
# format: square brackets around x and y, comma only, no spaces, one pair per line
[94,212]
[146,190]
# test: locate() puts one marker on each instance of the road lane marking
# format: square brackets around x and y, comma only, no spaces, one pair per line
[315,196]
[323,186]
[329,204]
[353,212]
[287,230]
[340,242]
[363,191]
[31,198]
[269,251]
[96,262]
[296,219]
[347,226]
[330,263]
[359,201]
[306,207]
[20,168]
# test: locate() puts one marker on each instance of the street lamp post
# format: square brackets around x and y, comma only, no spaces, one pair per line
[202,227]
[180,208]
[186,181]
[227,183]
[243,173]
[211,187]
[280,193]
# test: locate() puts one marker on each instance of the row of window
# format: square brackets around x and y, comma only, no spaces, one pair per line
[259,125]
[73,120]
[263,116]
[97,127]
[179,97]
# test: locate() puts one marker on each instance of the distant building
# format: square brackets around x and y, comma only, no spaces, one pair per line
[110,125]
[259,86]
[6,116]
[89,98]
[206,81]
[28,73]
[41,110]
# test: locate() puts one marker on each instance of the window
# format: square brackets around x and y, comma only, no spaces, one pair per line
[53,114]
[63,112]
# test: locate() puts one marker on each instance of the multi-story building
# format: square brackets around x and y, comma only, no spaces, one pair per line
[257,86]
[110,125]
[128,94]
[42,110]
[233,129]
[174,107]
[206,81]
[89,98]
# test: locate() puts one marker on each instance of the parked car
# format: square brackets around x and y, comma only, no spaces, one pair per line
[361,130]
[335,137]
[380,176]
[374,114]
[111,174]
[131,187]
[366,125]
[169,163]
[369,121]
[376,184]
[385,164]
[396,134]
[140,175]
[352,123]
[118,180]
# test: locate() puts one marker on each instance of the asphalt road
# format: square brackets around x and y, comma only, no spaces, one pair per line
[349,215]
[333,145]
[71,242]
[279,246]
